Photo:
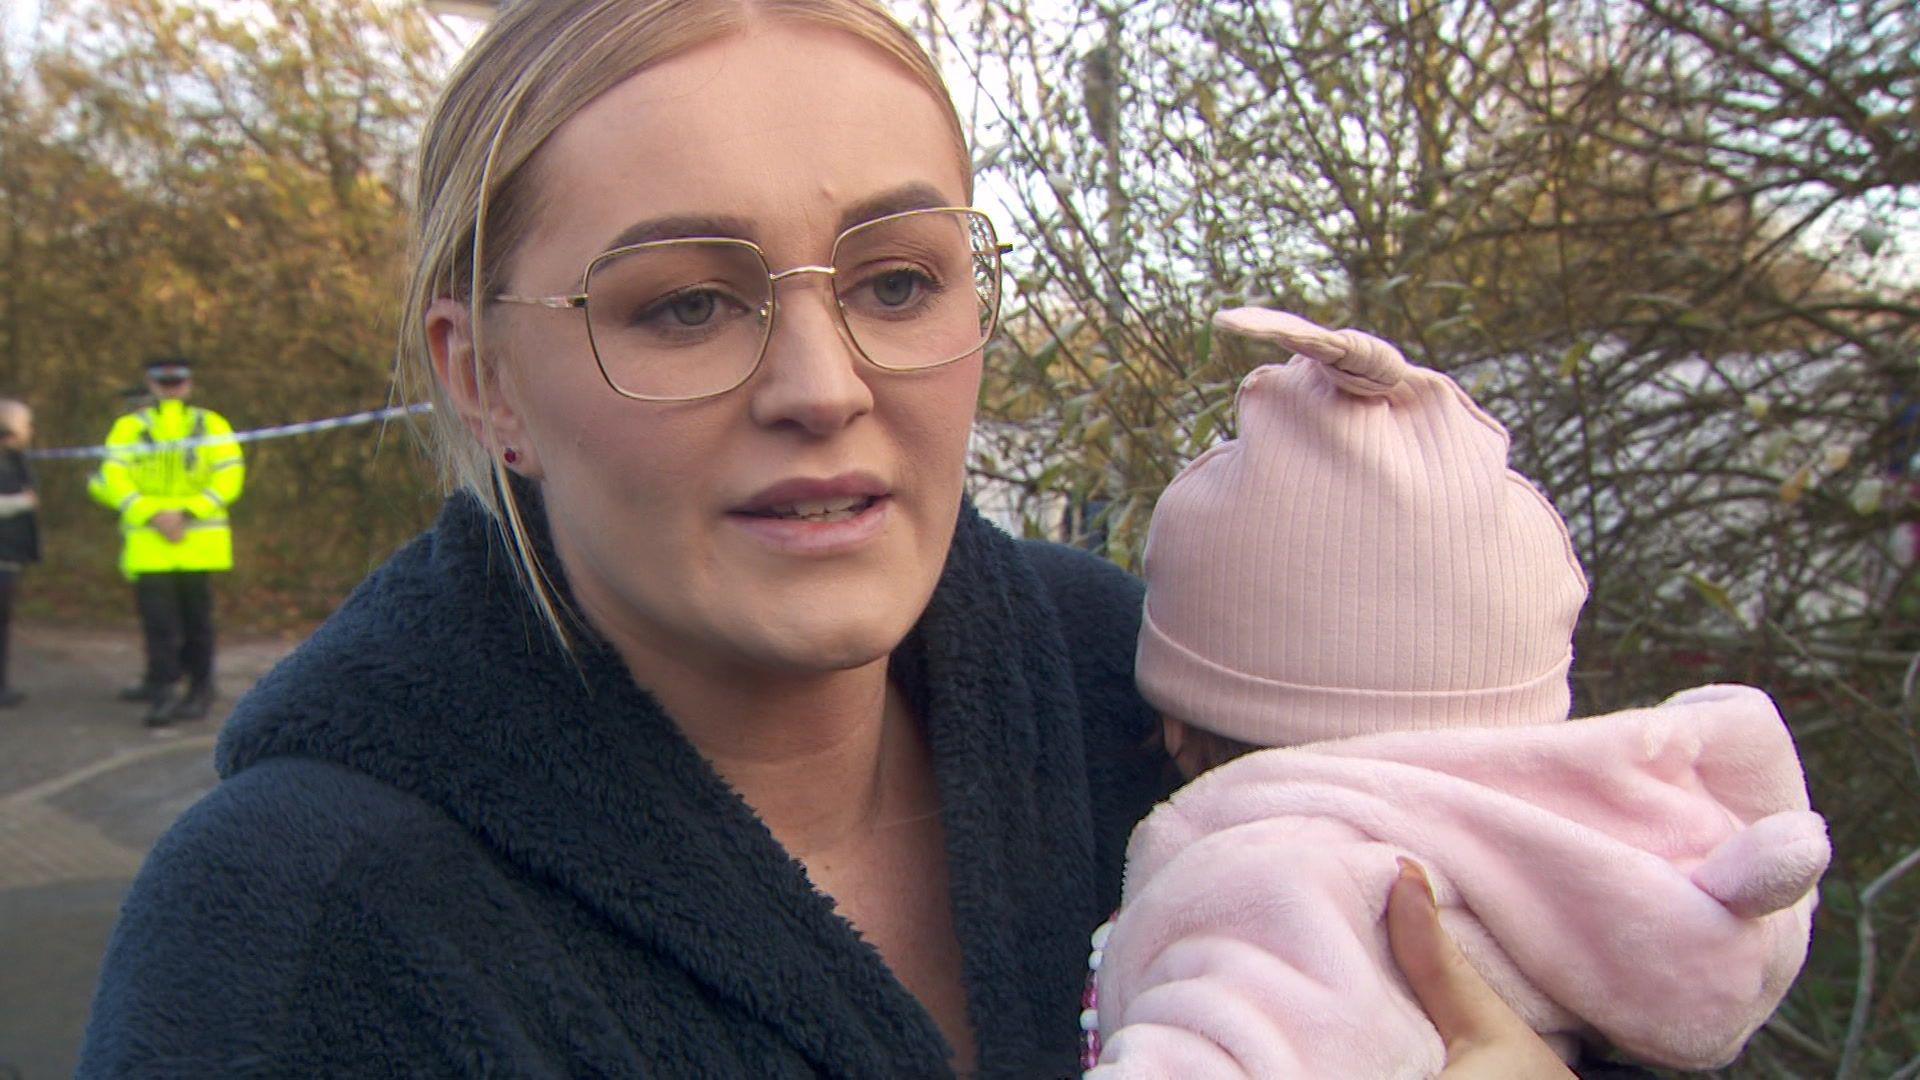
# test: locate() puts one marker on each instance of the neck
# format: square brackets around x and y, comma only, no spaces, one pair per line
[819,756]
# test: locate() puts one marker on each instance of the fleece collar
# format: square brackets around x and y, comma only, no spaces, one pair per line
[437,679]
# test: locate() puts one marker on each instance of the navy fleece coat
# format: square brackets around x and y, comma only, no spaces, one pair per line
[441,849]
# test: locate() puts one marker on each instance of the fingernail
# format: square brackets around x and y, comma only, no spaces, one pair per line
[1413,871]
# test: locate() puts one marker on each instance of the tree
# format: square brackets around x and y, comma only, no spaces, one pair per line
[181,175]
[1670,244]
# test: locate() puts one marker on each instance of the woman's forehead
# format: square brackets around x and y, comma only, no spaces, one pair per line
[782,136]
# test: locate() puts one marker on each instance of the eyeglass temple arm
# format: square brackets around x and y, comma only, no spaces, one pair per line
[579,300]
[576,300]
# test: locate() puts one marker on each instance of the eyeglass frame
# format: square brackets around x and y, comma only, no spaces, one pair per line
[769,311]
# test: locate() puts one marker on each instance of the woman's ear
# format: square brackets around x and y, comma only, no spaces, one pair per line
[477,390]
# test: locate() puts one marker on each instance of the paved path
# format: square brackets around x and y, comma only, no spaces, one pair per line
[84,792]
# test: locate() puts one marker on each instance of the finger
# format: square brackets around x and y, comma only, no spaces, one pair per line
[1462,1007]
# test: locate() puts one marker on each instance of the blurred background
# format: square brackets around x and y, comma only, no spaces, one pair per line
[1673,244]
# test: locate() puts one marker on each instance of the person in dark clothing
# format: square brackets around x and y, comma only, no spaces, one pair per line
[429,807]
[19,525]
[709,733]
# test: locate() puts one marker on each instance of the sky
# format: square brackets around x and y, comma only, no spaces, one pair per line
[1900,222]
[19,17]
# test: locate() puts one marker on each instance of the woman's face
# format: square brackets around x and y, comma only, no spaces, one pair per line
[677,523]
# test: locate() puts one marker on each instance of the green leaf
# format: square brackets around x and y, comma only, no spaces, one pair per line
[1714,594]
[1571,360]
[1700,320]
[1097,431]
[1203,346]
[1795,486]
[1206,103]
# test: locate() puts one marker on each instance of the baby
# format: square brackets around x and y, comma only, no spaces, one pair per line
[1359,583]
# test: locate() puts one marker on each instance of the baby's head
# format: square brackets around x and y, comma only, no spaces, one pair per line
[1359,560]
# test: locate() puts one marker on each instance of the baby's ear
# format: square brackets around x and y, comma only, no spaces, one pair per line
[1188,755]
[1173,734]
[1769,865]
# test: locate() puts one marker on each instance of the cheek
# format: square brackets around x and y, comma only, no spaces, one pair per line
[548,377]
[937,421]
[613,457]
[586,436]
[935,443]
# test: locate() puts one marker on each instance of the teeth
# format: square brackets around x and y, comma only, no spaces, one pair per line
[838,509]
[826,506]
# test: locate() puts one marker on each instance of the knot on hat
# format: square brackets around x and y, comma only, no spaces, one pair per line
[1358,363]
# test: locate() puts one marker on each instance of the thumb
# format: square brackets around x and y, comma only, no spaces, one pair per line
[1462,1007]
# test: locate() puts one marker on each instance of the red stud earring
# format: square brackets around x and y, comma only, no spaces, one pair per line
[512,456]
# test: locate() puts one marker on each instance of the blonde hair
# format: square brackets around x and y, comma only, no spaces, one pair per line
[534,68]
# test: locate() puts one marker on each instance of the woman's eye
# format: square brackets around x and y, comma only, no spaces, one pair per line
[897,288]
[691,309]
[895,292]
[688,309]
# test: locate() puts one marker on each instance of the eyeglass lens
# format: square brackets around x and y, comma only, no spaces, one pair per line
[689,318]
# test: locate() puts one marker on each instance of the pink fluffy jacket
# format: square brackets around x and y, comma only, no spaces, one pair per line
[1644,878]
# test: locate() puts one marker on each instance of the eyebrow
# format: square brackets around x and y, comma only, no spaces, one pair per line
[914,196]
[678,227]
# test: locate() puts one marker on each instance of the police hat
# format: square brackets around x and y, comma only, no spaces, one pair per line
[170,368]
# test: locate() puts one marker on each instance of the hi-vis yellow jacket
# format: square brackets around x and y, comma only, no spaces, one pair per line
[147,472]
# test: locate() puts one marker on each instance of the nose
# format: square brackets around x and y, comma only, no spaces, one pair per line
[811,377]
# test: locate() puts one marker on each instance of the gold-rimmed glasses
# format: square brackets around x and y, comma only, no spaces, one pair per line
[689,318]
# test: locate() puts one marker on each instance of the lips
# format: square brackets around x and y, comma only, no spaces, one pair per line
[839,498]
[818,518]
[821,510]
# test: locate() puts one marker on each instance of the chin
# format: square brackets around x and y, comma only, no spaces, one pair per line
[840,621]
[829,645]
[851,651]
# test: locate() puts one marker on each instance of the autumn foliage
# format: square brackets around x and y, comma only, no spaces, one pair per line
[222,181]
[1673,244]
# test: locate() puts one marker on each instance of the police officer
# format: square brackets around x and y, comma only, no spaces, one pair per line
[171,471]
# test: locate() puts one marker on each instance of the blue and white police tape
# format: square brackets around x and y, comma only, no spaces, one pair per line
[373,416]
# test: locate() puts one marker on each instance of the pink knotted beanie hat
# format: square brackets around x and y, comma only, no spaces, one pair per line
[1359,560]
